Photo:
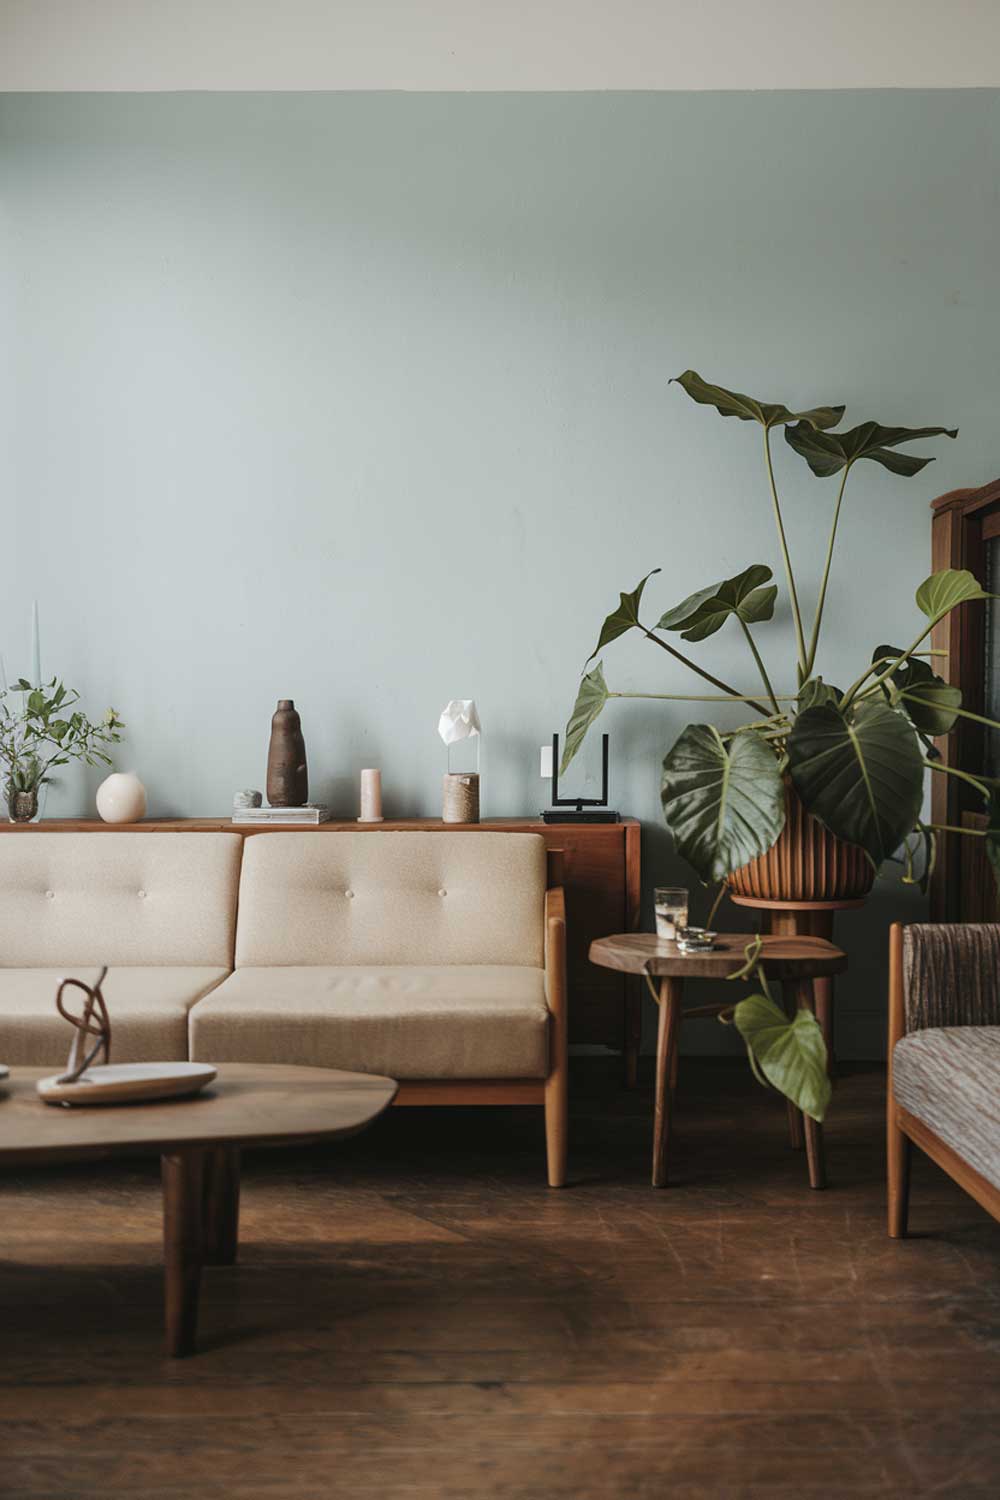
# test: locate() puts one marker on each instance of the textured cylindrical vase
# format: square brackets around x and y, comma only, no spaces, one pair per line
[287,776]
[805,863]
[460,801]
[371,797]
[121,798]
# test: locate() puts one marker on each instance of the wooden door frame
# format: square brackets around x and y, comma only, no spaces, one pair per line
[963,522]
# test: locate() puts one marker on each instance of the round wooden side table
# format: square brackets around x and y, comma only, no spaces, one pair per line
[805,919]
[796,961]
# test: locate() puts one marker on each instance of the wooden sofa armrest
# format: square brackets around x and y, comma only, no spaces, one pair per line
[555,950]
[557,1083]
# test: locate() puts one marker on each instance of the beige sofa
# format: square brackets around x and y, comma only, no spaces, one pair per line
[435,958]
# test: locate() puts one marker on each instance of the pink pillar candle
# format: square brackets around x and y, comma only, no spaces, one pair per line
[371,797]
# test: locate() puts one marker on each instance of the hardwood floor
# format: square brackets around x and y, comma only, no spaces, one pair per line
[414,1314]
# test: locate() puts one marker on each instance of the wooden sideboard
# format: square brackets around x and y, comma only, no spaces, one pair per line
[601,875]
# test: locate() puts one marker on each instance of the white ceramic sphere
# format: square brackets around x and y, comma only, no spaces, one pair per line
[121,798]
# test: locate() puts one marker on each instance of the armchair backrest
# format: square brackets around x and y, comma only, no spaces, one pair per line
[392,898]
[951,974]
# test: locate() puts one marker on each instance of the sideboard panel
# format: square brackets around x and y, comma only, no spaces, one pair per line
[601,875]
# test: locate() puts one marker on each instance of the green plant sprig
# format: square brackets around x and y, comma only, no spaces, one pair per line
[47,730]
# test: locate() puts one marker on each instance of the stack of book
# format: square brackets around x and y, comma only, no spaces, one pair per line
[299,817]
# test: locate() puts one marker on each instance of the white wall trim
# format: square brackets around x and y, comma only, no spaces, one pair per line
[494,45]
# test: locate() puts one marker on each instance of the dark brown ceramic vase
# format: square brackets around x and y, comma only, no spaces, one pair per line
[287,776]
[806,863]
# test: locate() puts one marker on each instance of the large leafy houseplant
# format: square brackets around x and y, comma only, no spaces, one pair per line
[857,757]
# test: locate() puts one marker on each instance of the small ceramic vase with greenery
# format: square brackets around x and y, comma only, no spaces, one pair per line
[44,731]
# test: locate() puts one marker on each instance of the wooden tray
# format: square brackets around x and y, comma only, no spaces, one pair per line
[129,1083]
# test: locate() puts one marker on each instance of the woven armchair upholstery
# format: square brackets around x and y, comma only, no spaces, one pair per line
[951,975]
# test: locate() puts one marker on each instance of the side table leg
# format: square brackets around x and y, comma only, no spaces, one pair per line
[815,1155]
[183,1176]
[796,1134]
[666,1038]
[221,1205]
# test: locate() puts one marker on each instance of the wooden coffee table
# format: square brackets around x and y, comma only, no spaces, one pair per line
[199,1141]
[793,960]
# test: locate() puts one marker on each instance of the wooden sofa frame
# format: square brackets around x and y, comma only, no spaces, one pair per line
[904,1130]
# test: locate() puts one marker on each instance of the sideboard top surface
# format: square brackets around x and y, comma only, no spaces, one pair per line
[225,825]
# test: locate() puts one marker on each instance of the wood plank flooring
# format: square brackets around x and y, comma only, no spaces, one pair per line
[416,1315]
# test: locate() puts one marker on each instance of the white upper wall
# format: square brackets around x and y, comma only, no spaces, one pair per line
[498,44]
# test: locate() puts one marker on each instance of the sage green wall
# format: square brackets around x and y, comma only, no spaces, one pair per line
[363,399]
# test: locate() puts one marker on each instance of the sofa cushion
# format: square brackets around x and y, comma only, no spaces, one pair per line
[949,1077]
[118,898]
[458,1021]
[392,898]
[148,1009]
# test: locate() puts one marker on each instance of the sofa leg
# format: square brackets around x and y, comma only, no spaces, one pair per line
[899,1149]
[557,1126]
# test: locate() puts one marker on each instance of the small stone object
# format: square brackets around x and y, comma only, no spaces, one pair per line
[287,775]
[695,940]
[121,798]
[243,800]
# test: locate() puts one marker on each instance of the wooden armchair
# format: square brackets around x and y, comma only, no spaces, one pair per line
[944,1059]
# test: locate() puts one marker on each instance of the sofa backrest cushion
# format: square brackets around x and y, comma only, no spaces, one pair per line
[391,898]
[118,898]
[951,974]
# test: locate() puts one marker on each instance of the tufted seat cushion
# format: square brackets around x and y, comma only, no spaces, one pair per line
[949,1077]
[148,1008]
[420,1021]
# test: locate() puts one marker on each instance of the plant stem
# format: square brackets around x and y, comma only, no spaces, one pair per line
[707,698]
[896,662]
[963,713]
[715,681]
[792,593]
[817,622]
[716,903]
[769,690]
[973,833]
[981,787]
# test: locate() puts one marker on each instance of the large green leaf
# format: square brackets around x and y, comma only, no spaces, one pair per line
[768,414]
[860,773]
[590,700]
[624,618]
[827,453]
[790,1054]
[946,589]
[703,613]
[815,692]
[929,702]
[724,805]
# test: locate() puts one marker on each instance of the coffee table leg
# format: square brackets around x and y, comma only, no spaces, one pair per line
[183,1188]
[666,1037]
[221,1205]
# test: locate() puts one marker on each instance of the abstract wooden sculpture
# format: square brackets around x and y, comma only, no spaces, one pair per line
[94,1021]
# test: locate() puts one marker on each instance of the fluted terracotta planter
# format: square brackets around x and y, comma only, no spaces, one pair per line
[807,863]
